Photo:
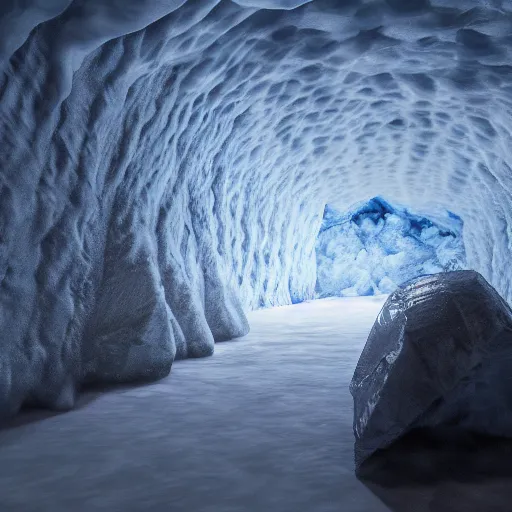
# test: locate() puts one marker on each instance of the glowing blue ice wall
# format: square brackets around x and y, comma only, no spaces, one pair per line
[375,246]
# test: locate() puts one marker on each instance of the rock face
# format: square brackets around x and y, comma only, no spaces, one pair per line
[439,353]
[164,165]
[375,246]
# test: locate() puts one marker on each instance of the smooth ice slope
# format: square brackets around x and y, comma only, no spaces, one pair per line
[374,247]
[165,165]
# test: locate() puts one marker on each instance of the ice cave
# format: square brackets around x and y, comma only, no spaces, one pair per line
[179,173]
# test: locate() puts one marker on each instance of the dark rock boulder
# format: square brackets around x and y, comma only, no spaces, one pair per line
[439,353]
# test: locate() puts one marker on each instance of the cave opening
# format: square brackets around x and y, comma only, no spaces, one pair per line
[375,246]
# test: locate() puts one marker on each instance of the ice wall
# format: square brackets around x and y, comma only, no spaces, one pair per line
[165,165]
[376,246]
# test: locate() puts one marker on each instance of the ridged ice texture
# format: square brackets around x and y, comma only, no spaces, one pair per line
[165,165]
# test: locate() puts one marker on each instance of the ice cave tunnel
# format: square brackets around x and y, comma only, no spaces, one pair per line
[165,169]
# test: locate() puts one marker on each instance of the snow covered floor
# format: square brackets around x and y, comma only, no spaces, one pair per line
[263,425]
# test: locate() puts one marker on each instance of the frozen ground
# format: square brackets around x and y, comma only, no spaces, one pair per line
[264,425]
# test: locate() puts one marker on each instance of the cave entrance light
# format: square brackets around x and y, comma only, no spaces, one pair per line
[375,246]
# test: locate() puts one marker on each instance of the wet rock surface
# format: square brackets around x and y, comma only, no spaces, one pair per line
[439,354]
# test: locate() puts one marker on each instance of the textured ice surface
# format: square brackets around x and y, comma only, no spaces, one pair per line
[374,247]
[439,353]
[165,165]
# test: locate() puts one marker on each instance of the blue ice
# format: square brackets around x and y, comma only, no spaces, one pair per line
[376,246]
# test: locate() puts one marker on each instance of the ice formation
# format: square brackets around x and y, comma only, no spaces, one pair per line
[374,247]
[439,353]
[165,165]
